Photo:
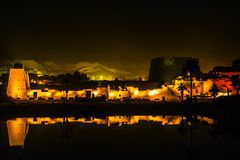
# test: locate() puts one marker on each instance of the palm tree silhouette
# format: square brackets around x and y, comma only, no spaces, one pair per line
[66,81]
[192,67]
[182,88]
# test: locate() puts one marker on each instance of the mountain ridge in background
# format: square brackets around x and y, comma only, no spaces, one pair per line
[94,70]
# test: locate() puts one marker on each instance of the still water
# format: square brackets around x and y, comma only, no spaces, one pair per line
[132,136]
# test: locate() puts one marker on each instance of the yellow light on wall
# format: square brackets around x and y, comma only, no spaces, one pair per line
[95,93]
[111,94]
[48,94]
[152,92]
[136,93]
[40,82]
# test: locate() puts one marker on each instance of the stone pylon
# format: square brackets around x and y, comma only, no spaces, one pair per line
[18,83]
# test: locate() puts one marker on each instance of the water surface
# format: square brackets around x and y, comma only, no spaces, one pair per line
[136,136]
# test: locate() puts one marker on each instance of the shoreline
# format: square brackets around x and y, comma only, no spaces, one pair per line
[226,107]
[104,108]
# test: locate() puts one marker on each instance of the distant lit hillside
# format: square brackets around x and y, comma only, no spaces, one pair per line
[94,70]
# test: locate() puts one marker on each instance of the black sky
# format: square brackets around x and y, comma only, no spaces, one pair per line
[118,33]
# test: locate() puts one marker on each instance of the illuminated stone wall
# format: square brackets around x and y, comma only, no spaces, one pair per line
[18,84]
[56,94]
[199,87]
[170,93]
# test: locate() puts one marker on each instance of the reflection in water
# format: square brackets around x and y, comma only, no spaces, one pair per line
[18,128]
[17,131]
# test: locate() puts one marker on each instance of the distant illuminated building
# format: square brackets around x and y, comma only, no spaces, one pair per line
[18,83]
[229,71]
[166,69]
[17,131]
[163,70]
[224,77]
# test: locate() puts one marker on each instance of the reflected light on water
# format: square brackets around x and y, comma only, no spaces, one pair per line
[18,128]
[120,120]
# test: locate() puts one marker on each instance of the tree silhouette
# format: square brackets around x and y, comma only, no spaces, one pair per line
[182,88]
[66,128]
[215,132]
[192,67]
[228,90]
[72,81]
[80,76]
[190,149]
[183,128]
[214,90]
[66,81]
[236,83]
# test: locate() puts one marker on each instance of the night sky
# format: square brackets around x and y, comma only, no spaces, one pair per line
[118,32]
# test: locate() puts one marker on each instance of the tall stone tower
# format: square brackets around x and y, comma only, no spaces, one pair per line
[166,69]
[18,83]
